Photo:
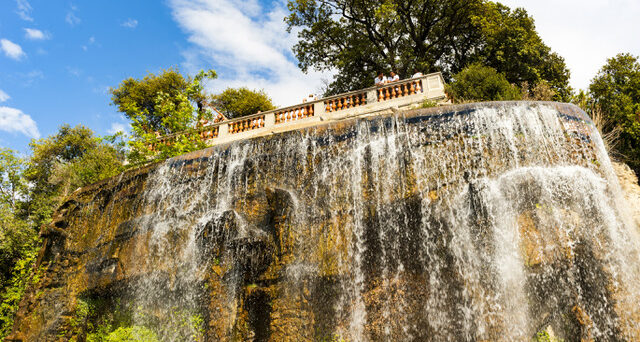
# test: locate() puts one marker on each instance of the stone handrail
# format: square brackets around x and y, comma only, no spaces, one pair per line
[373,99]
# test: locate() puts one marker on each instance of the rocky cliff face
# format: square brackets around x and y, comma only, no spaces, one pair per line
[631,188]
[477,222]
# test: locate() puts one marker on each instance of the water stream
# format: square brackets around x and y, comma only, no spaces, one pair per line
[490,223]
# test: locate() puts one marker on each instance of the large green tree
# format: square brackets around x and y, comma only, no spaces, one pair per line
[357,38]
[59,164]
[237,102]
[616,91]
[510,44]
[162,105]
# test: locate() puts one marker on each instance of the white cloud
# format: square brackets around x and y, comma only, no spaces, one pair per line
[24,10]
[4,96]
[248,47]
[117,127]
[35,34]
[586,32]
[15,121]
[130,23]
[11,49]
[71,18]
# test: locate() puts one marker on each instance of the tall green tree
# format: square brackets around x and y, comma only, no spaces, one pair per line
[237,102]
[357,38]
[161,105]
[59,164]
[510,44]
[616,91]
[16,236]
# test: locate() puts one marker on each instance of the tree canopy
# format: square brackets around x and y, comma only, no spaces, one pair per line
[160,105]
[616,91]
[59,164]
[237,102]
[357,38]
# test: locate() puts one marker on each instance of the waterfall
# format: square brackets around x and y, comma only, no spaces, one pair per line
[480,222]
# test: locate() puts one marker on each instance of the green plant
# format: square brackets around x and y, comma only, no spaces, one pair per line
[481,83]
[24,274]
[428,104]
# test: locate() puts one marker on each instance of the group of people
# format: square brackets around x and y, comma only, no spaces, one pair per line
[393,77]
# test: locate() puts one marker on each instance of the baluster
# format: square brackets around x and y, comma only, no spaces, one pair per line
[288,115]
[327,106]
[340,104]
[305,111]
[310,110]
[418,88]
[393,92]
[334,105]
[300,112]
[412,89]
[386,94]
[262,121]
[380,97]
[405,89]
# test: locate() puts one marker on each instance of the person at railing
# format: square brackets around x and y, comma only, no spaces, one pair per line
[380,80]
[393,77]
[417,74]
[311,98]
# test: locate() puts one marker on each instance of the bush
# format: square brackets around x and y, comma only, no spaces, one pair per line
[481,83]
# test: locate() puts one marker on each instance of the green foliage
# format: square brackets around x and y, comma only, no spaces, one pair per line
[481,83]
[24,275]
[122,334]
[616,91]
[360,38]
[162,105]
[428,104]
[61,163]
[237,102]
[511,45]
[543,336]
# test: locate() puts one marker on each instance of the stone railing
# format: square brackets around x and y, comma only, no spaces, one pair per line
[403,93]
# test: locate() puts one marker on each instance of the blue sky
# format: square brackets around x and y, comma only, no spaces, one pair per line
[59,58]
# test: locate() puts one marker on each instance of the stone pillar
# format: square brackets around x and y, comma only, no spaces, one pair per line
[318,108]
[372,95]
[223,130]
[269,119]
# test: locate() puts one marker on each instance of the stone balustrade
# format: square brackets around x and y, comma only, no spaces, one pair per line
[294,113]
[347,101]
[403,93]
[246,124]
[399,89]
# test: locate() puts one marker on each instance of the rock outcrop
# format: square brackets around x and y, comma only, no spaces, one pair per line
[484,222]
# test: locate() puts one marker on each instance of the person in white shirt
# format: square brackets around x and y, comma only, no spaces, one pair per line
[380,80]
[393,77]
[417,74]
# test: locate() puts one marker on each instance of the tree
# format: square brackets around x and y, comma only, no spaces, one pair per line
[616,91]
[357,38]
[241,102]
[59,164]
[16,237]
[161,105]
[481,83]
[510,44]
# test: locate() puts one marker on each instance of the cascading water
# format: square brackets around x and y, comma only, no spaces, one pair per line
[487,222]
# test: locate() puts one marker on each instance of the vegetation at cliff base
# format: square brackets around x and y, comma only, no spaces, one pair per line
[31,188]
